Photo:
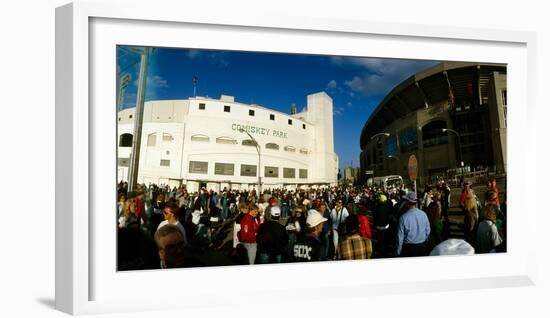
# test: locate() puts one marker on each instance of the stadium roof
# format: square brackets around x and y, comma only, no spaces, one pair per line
[429,87]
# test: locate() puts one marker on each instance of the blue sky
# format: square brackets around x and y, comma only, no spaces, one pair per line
[274,80]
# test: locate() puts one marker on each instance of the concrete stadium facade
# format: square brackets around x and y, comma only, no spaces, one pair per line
[198,142]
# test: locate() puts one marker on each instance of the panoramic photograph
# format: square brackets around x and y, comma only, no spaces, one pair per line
[249,158]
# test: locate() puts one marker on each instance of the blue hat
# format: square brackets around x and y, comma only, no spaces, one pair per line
[411,197]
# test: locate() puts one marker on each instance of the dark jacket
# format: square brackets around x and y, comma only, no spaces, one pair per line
[306,249]
[272,238]
[381,214]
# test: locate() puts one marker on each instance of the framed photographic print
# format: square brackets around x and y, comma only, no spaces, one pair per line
[199,149]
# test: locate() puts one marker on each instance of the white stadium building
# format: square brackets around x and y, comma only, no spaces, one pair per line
[200,142]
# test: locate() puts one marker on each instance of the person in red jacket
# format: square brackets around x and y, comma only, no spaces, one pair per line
[364,225]
[248,232]
[462,199]
[140,206]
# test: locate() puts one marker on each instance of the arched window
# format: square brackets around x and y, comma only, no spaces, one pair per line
[200,138]
[152,140]
[272,146]
[248,142]
[226,140]
[290,149]
[125,140]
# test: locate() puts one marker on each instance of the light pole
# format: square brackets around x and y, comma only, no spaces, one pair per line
[259,161]
[380,134]
[138,120]
[459,145]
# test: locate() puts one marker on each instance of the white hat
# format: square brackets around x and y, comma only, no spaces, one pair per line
[311,211]
[453,247]
[314,218]
[275,211]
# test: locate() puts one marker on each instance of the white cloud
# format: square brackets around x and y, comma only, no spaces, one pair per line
[158,82]
[349,104]
[332,85]
[154,81]
[379,76]
[217,57]
[337,111]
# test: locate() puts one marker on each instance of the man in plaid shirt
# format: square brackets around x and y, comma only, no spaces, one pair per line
[354,246]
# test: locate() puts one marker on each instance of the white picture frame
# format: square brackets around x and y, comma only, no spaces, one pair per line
[83,39]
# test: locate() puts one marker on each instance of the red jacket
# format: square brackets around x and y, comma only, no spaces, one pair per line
[462,198]
[364,226]
[249,229]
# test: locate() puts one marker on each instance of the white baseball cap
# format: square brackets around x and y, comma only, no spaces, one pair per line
[275,211]
[314,218]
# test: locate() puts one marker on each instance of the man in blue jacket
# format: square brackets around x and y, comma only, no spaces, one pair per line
[413,230]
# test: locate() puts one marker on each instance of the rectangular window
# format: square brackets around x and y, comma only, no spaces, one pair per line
[202,106]
[290,121]
[227,109]
[164,163]
[251,112]
[289,173]
[198,167]
[248,170]
[167,138]
[271,117]
[303,173]
[123,162]
[391,146]
[225,169]
[408,139]
[271,172]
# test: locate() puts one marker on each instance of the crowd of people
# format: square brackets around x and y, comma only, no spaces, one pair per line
[163,227]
